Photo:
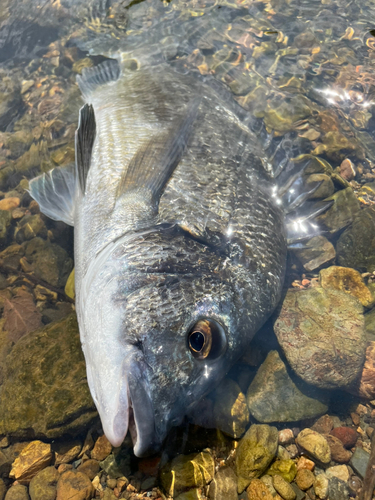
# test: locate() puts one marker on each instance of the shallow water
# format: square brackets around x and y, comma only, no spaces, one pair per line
[303,76]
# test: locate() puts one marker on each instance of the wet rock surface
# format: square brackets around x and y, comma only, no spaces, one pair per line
[316,252]
[315,445]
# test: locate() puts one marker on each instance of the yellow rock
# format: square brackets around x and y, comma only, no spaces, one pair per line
[9,203]
[346,280]
[32,459]
[70,290]
[257,490]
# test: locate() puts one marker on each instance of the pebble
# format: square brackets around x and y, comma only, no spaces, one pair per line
[292,450]
[337,489]
[224,485]
[347,170]
[305,463]
[346,435]
[267,480]
[257,490]
[67,452]
[101,449]
[339,471]
[287,469]
[283,488]
[9,203]
[17,492]
[359,461]
[315,445]
[305,479]
[73,484]
[64,467]
[90,468]
[323,425]
[338,452]
[346,280]
[286,436]
[43,485]
[321,485]
[33,458]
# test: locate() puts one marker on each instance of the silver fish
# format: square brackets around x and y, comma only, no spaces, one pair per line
[180,242]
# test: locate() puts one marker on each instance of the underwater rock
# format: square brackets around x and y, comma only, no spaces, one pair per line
[66,452]
[5,220]
[231,413]
[17,492]
[186,472]
[90,467]
[282,117]
[29,227]
[21,315]
[346,435]
[9,203]
[348,281]
[223,485]
[43,485]
[255,452]
[315,445]
[305,479]
[347,170]
[323,425]
[338,453]
[315,253]
[359,461]
[337,489]
[283,488]
[274,397]
[33,458]
[45,391]
[73,484]
[50,262]
[356,246]
[284,468]
[365,386]
[101,449]
[257,490]
[312,325]
[325,189]
[321,485]
[339,471]
[342,212]
[11,256]
[10,106]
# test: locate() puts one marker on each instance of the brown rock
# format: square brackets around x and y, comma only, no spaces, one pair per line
[9,203]
[338,452]
[43,485]
[101,449]
[33,458]
[315,445]
[67,452]
[347,170]
[90,468]
[365,386]
[64,467]
[348,281]
[3,489]
[305,479]
[323,425]
[74,485]
[17,492]
[257,490]
[346,435]
[283,488]
[286,436]
[305,463]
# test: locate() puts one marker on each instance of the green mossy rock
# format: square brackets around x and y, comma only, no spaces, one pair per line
[342,212]
[43,485]
[284,468]
[45,392]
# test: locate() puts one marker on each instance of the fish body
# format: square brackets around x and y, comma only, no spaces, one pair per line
[180,247]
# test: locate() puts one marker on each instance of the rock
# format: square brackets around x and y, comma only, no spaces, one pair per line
[321,485]
[346,280]
[255,452]
[283,488]
[10,105]
[273,396]
[287,469]
[315,253]
[337,489]
[30,227]
[186,472]
[90,468]
[347,170]
[283,453]
[359,461]
[311,325]
[355,247]
[347,435]
[9,203]
[338,452]
[73,484]
[300,495]
[33,458]
[224,485]
[325,189]
[323,425]
[315,445]
[257,490]
[305,463]
[50,262]
[286,436]
[40,396]
[354,485]
[268,481]
[118,465]
[17,492]
[339,471]
[3,489]
[305,479]
[11,255]
[342,212]
[5,220]
[365,385]
[43,485]
[194,494]
[66,452]
[101,449]
[147,484]
[70,290]
[230,409]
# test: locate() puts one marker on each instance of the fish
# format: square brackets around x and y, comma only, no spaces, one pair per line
[180,240]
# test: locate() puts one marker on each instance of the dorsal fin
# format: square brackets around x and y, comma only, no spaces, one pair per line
[85,137]
[92,78]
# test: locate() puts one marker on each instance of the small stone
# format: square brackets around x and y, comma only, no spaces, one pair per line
[30,227]
[268,481]
[346,280]
[346,435]
[9,203]
[286,436]
[43,485]
[287,469]
[117,466]
[5,220]
[338,452]
[283,488]
[315,445]
[63,468]
[292,450]
[305,463]
[67,452]
[33,458]
[101,449]
[337,489]
[112,483]
[342,212]
[17,492]
[224,485]
[347,170]
[359,461]
[355,418]
[315,253]
[230,409]
[257,490]
[73,484]
[365,387]
[87,445]
[323,425]
[283,453]
[90,468]
[305,479]
[321,485]
[339,471]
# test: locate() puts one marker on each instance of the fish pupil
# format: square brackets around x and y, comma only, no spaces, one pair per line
[196,341]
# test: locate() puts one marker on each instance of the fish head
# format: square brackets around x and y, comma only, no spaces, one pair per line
[162,319]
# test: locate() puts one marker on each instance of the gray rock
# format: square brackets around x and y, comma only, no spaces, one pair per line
[117,465]
[10,104]
[356,245]
[45,391]
[342,212]
[316,252]
[17,492]
[5,219]
[224,485]
[325,189]
[300,495]
[274,397]
[337,489]
[43,485]
[312,326]
[359,461]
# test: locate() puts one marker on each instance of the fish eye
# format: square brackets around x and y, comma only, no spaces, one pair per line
[206,339]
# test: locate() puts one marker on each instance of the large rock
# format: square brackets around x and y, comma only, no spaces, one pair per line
[315,253]
[344,208]
[224,485]
[274,397]
[322,335]
[32,459]
[255,452]
[45,393]
[356,245]
[43,485]
[74,485]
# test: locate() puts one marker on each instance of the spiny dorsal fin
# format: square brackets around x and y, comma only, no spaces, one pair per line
[92,78]
[85,137]
[154,163]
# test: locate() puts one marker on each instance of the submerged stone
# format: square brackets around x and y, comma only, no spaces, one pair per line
[32,459]
[224,485]
[359,461]
[344,208]
[315,445]
[274,397]
[43,485]
[230,409]
[346,280]
[284,468]
[316,252]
